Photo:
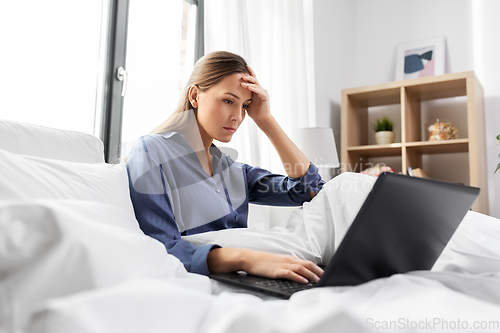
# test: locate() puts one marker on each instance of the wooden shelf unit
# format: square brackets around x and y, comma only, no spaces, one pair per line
[355,147]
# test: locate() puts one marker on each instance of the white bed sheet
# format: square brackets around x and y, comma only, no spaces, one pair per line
[462,291]
[417,302]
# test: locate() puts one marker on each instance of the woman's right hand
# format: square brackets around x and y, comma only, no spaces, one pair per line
[275,266]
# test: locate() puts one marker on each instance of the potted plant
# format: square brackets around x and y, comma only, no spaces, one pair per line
[383,128]
[498,166]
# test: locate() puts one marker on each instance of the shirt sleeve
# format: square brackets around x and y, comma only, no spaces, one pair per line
[156,218]
[266,188]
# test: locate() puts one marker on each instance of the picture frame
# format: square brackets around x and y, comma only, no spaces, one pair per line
[420,58]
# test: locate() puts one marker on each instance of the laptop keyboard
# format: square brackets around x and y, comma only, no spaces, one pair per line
[283,285]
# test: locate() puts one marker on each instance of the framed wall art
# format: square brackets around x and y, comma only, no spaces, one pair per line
[420,59]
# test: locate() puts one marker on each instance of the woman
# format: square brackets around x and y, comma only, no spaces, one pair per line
[181,184]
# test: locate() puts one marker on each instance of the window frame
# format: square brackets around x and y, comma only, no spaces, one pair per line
[115,57]
[109,121]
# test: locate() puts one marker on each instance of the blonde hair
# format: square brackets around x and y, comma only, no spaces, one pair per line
[208,71]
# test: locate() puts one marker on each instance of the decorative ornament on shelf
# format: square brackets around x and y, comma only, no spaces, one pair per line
[384,130]
[442,131]
[498,166]
[377,170]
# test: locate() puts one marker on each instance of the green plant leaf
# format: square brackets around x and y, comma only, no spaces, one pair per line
[383,124]
[498,166]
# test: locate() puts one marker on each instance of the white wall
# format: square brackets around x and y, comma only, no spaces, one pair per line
[334,47]
[487,67]
[355,45]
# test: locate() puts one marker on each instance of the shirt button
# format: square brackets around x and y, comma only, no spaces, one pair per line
[217,190]
[236,217]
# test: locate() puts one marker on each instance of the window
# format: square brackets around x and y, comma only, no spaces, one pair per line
[160,56]
[49,60]
[60,58]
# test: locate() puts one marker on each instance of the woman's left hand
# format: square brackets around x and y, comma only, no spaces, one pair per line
[259,108]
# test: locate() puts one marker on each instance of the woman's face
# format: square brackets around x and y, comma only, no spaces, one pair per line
[222,108]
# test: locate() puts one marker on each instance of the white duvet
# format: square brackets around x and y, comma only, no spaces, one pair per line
[127,282]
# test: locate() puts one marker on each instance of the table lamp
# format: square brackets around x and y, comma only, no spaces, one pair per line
[318,144]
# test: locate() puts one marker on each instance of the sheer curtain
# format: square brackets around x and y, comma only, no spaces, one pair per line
[276,38]
[49,60]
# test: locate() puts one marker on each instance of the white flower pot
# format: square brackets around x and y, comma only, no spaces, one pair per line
[384,137]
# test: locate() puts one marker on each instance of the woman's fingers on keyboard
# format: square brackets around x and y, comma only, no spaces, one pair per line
[279,266]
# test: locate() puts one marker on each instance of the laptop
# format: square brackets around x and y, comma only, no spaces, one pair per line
[403,225]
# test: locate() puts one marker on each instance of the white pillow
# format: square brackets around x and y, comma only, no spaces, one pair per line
[26,177]
[39,141]
[56,248]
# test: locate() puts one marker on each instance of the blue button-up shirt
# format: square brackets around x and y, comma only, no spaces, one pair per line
[173,196]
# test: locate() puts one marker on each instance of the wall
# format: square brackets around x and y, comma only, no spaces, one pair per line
[356,42]
[334,47]
[487,67]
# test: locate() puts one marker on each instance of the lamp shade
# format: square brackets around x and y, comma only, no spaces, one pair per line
[318,144]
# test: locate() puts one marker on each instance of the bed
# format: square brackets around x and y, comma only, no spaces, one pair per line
[73,259]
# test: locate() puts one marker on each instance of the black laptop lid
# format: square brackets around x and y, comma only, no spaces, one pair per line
[403,225]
